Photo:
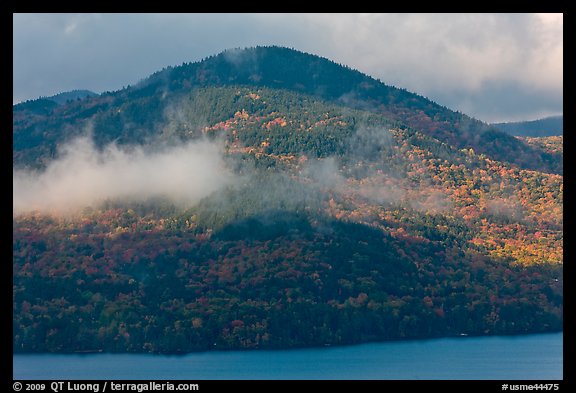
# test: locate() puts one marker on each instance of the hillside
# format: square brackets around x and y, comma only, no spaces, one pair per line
[548,126]
[145,106]
[343,224]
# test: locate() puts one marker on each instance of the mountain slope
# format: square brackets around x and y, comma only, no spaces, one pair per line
[291,282]
[344,225]
[273,67]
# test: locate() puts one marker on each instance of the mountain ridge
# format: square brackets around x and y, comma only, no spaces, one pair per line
[278,67]
[547,126]
[59,99]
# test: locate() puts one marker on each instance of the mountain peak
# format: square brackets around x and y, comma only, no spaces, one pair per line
[276,67]
[270,66]
[286,68]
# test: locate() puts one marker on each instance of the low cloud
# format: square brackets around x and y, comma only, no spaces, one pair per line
[505,207]
[433,201]
[324,173]
[85,176]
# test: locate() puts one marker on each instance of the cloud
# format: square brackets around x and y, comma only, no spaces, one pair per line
[324,174]
[505,207]
[434,201]
[450,58]
[84,176]
[59,52]
[502,101]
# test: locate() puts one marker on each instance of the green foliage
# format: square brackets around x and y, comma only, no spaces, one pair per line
[178,102]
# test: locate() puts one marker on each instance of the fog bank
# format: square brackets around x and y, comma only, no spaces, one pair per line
[85,176]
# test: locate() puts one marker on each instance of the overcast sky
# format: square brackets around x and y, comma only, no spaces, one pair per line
[495,67]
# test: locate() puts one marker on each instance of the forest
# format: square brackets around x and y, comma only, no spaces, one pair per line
[349,221]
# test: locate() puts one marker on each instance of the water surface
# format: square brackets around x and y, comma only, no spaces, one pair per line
[526,357]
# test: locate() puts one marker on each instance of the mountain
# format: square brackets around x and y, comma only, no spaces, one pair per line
[43,105]
[268,198]
[271,67]
[548,126]
[64,97]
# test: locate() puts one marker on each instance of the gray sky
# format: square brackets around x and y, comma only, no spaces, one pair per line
[495,67]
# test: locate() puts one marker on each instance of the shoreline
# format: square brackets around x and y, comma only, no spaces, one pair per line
[287,349]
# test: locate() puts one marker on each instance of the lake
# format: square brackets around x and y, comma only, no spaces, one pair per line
[527,357]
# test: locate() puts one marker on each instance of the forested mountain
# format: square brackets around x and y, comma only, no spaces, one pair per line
[145,105]
[548,126]
[43,103]
[355,212]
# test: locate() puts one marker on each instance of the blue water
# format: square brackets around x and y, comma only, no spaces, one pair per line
[527,357]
